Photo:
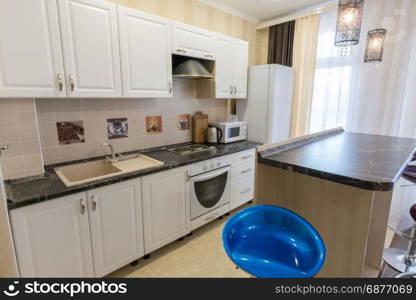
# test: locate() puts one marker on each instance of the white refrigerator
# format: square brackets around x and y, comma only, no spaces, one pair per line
[268,107]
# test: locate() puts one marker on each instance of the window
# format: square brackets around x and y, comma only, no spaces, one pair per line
[332,79]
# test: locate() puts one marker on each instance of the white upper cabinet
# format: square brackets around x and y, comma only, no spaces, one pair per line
[231,68]
[240,69]
[224,67]
[146,54]
[52,239]
[30,49]
[90,48]
[116,225]
[192,41]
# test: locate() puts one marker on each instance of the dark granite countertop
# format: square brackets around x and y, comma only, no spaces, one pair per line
[32,190]
[370,162]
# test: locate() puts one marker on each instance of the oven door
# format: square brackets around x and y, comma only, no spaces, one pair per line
[209,191]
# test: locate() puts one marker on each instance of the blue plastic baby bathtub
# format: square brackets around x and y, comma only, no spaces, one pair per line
[273,242]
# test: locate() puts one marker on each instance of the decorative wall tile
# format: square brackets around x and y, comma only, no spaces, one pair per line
[117,128]
[70,132]
[154,125]
[183,122]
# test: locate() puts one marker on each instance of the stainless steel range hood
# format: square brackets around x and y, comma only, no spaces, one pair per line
[192,69]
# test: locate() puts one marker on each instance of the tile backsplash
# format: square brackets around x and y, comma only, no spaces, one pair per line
[19,130]
[94,114]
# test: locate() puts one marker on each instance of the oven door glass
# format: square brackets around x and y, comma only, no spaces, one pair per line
[209,192]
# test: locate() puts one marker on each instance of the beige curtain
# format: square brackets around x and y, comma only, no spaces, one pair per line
[304,62]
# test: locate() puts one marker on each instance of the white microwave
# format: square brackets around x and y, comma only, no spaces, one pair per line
[229,132]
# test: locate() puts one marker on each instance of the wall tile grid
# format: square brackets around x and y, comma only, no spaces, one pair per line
[19,130]
[95,112]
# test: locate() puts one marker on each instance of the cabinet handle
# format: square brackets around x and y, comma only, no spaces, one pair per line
[94,203]
[208,56]
[211,217]
[246,157]
[235,90]
[231,90]
[72,82]
[60,82]
[170,87]
[180,50]
[245,171]
[245,191]
[83,206]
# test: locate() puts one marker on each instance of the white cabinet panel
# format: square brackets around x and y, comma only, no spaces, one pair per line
[242,191]
[52,239]
[91,48]
[240,69]
[116,225]
[192,41]
[146,54]
[224,67]
[30,49]
[166,208]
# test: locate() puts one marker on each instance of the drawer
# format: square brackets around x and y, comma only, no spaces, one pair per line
[242,170]
[244,157]
[242,192]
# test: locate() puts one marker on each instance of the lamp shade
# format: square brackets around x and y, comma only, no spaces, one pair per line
[375,45]
[350,15]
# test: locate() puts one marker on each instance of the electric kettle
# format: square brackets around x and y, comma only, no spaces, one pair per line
[213,135]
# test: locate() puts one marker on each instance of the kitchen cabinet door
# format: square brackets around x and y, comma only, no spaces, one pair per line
[30,58]
[240,69]
[166,208]
[192,41]
[116,225]
[90,48]
[146,54]
[52,238]
[224,67]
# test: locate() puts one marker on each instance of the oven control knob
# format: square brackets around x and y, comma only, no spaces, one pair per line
[205,168]
[212,166]
[219,164]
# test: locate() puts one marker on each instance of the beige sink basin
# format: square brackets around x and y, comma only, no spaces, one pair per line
[83,173]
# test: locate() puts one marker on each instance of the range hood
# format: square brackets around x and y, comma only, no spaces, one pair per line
[192,68]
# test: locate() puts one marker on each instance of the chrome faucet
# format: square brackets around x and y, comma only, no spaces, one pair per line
[115,157]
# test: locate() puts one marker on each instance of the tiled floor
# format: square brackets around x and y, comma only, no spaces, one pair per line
[200,255]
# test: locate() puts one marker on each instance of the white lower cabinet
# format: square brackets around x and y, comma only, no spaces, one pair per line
[242,178]
[80,236]
[166,207]
[52,239]
[116,225]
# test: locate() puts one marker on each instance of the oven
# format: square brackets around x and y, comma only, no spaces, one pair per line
[210,186]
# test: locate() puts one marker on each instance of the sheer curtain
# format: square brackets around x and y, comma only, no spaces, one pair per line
[333,79]
[304,58]
[383,95]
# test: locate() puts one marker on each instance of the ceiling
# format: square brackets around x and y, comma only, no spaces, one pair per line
[261,10]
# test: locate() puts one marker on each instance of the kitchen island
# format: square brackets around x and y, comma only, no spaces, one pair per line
[342,183]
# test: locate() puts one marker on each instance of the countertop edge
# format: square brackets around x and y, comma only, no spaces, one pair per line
[357,183]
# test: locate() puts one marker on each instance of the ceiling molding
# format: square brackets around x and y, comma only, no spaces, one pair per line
[304,12]
[228,9]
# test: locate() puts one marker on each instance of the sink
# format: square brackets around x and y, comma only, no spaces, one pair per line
[134,163]
[83,173]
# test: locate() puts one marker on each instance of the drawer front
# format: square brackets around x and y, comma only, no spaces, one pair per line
[244,157]
[242,170]
[242,192]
